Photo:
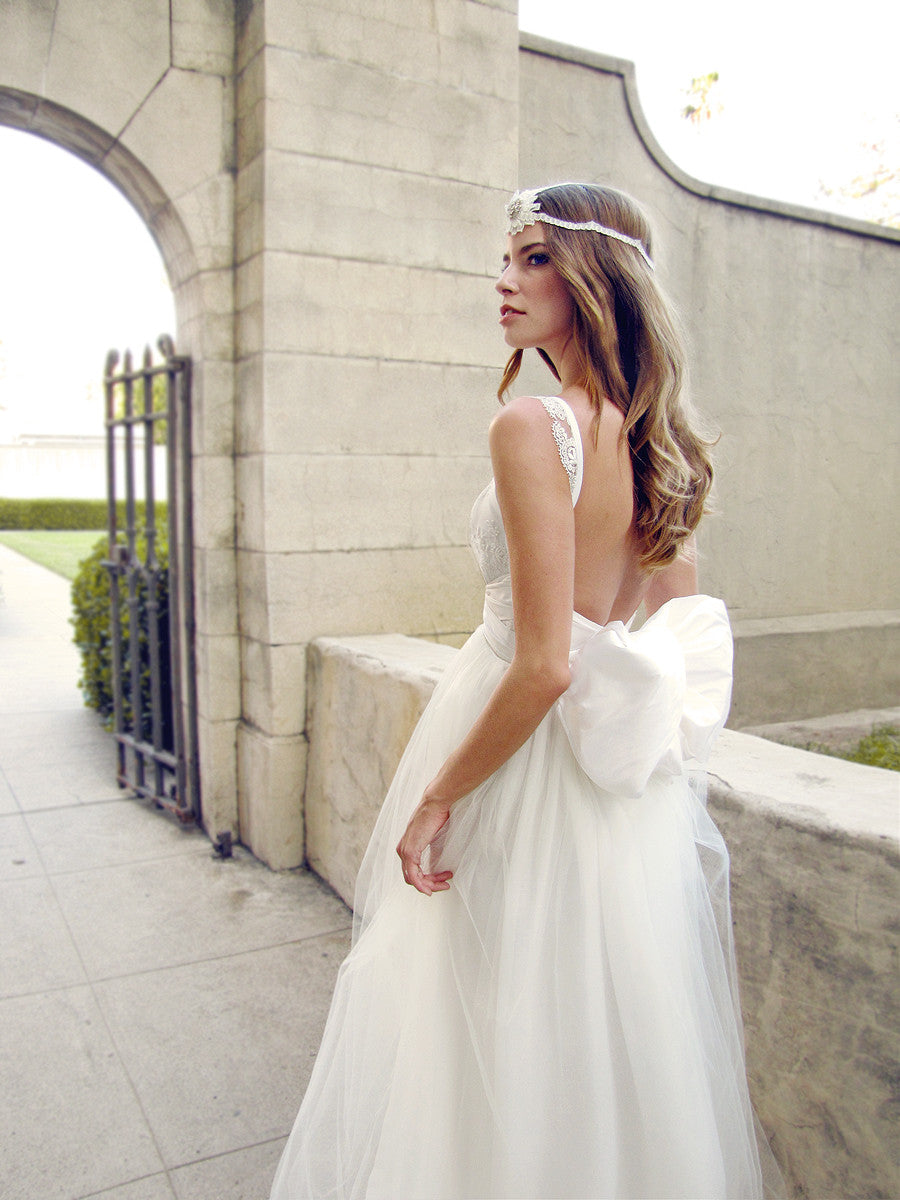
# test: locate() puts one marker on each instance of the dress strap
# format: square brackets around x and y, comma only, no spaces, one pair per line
[567,436]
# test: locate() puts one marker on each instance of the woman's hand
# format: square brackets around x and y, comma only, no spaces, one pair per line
[425,824]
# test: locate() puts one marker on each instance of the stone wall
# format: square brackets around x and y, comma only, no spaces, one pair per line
[815,881]
[815,873]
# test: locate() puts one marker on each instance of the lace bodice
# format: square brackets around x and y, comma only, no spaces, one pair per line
[486,534]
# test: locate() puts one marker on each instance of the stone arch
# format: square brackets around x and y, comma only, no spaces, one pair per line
[199,333]
[72,132]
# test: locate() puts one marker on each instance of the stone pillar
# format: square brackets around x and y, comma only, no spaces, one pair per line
[375,147]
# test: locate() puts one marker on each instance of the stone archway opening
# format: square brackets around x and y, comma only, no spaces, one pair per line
[146,99]
[85,275]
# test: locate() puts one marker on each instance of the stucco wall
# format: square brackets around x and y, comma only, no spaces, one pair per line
[815,874]
[791,317]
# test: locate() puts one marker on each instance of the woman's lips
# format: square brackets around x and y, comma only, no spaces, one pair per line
[507,311]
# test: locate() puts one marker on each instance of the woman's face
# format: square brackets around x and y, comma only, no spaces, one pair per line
[536,308]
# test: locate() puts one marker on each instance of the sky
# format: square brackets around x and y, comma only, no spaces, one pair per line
[79,275]
[800,88]
[801,85]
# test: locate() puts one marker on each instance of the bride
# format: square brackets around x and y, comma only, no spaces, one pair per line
[540,1001]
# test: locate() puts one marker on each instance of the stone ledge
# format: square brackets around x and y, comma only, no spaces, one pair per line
[838,733]
[815,869]
[814,884]
[364,696]
[810,792]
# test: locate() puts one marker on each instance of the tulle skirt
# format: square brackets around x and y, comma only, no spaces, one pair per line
[562,1023]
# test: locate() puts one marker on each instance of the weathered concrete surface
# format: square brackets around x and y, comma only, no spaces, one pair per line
[815,878]
[366,219]
[815,889]
[790,316]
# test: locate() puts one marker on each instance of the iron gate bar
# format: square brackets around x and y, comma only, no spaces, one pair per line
[157,748]
[178,390]
[150,572]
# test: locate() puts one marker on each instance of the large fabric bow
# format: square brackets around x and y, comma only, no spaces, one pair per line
[648,700]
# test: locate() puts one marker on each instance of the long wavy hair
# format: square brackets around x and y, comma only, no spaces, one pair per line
[630,351]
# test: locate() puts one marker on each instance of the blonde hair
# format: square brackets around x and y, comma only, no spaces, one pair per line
[629,350]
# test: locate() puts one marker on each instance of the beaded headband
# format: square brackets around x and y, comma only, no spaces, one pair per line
[525,209]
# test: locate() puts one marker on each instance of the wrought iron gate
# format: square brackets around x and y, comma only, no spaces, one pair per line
[151,579]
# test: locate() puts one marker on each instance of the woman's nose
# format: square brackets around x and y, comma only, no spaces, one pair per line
[505,283]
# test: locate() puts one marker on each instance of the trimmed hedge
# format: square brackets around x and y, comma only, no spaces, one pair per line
[68,514]
[92,625]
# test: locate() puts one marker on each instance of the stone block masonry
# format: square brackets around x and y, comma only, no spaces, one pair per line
[375,145]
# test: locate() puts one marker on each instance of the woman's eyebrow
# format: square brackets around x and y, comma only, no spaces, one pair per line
[525,250]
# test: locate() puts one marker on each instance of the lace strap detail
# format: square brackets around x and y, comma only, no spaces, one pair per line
[567,436]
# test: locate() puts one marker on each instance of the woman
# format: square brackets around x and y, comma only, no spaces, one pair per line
[543,1003]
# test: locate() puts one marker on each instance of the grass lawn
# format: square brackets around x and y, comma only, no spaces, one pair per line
[60,550]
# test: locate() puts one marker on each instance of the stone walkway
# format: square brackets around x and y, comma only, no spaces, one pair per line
[159,1009]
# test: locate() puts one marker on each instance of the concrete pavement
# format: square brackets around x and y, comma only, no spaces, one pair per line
[159,1008]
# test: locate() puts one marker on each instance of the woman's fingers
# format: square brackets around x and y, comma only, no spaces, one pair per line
[435,881]
[438,881]
[425,824]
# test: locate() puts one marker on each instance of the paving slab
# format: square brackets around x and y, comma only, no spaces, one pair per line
[230,1176]
[109,834]
[71,1121]
[19,858]
[36,949]
[151,1187]
[160,1008]
[198,1075]
[7,796]
[145,916]
[38,785]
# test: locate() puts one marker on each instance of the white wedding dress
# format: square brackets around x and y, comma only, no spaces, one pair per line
[563,1022]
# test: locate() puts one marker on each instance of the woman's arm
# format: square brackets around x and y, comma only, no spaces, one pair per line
[536,505]
[679,578]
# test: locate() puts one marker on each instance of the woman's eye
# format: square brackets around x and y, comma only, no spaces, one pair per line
[538,260]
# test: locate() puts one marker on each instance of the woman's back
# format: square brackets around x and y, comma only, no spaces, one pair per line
[609,580]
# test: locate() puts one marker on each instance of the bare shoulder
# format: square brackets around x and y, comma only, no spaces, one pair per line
[519,422]
[523,448]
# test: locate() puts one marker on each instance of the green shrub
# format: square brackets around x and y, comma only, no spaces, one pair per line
[92,634]
[68,514]
[880,748]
